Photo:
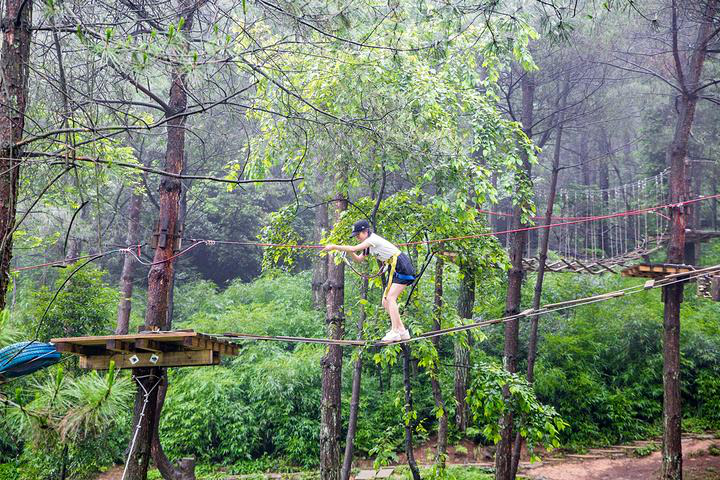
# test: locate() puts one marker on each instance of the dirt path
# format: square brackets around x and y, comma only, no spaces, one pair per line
[698,464]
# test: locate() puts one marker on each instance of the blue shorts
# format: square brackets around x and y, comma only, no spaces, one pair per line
[404,270]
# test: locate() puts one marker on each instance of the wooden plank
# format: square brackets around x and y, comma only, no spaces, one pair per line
[385,472]
[100,340]
[77,349]
[165,359]
[118,346]
[153,346]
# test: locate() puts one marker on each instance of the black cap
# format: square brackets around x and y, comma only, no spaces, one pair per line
[359,226]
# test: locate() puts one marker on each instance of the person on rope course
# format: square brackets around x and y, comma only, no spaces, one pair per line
[402,272]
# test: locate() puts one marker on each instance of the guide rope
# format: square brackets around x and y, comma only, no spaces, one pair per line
[542,310]
[212,242]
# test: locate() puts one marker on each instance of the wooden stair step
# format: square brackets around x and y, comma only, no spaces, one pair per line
[579,456]
[607,451]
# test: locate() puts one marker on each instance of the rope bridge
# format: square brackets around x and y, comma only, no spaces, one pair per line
[189,348]
[605,230]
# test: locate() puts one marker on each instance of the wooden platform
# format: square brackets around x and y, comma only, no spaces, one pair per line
[185,348]
[656,270]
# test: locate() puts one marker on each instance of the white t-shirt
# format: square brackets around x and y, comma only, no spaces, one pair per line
[381,248]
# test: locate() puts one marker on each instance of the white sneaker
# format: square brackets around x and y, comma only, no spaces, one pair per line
[404,334]
[391,336]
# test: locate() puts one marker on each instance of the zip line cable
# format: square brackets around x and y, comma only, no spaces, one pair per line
[543,310]
[668,280]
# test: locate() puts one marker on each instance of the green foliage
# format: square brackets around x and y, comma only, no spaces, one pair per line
[267,398]
[600,365]
[438,106]
[279,230]
[646,450]
[85,306]
[266,401]
[9,471]
[8,333]
[538,424]
[458,472]
[78,421]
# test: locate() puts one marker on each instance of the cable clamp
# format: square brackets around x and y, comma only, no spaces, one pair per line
[210,243]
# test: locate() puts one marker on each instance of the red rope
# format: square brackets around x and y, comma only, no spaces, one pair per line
[421,242]
[552,225]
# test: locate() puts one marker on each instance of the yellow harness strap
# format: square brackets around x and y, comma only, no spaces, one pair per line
[392,261]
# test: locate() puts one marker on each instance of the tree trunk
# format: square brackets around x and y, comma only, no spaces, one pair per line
[126,277]
[143,419]
[673,294]
[503,455]
[441,454]
[186,467]
[585,160]
[14,68]
[409,424]
[320,263]
[604,148]
[161,273]
[355,396]
[542,260]
[330,409]
[465,305]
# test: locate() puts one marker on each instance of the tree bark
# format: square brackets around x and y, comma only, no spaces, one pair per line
[320,263]
[161,273]
[128,268]
[330,410]
[441,452]
[516,274]
[465,305]
[355,395]
[14,72]
[409,424]
[185,469]
[689,77]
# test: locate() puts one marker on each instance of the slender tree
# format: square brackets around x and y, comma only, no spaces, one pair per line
[465,305]
[128,267]
[688,72]
[320,264]
[161,272]
[441,452]
[516,274]
[330,409]
[14,73]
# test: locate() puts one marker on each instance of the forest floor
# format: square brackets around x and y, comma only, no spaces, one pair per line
[701,461]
